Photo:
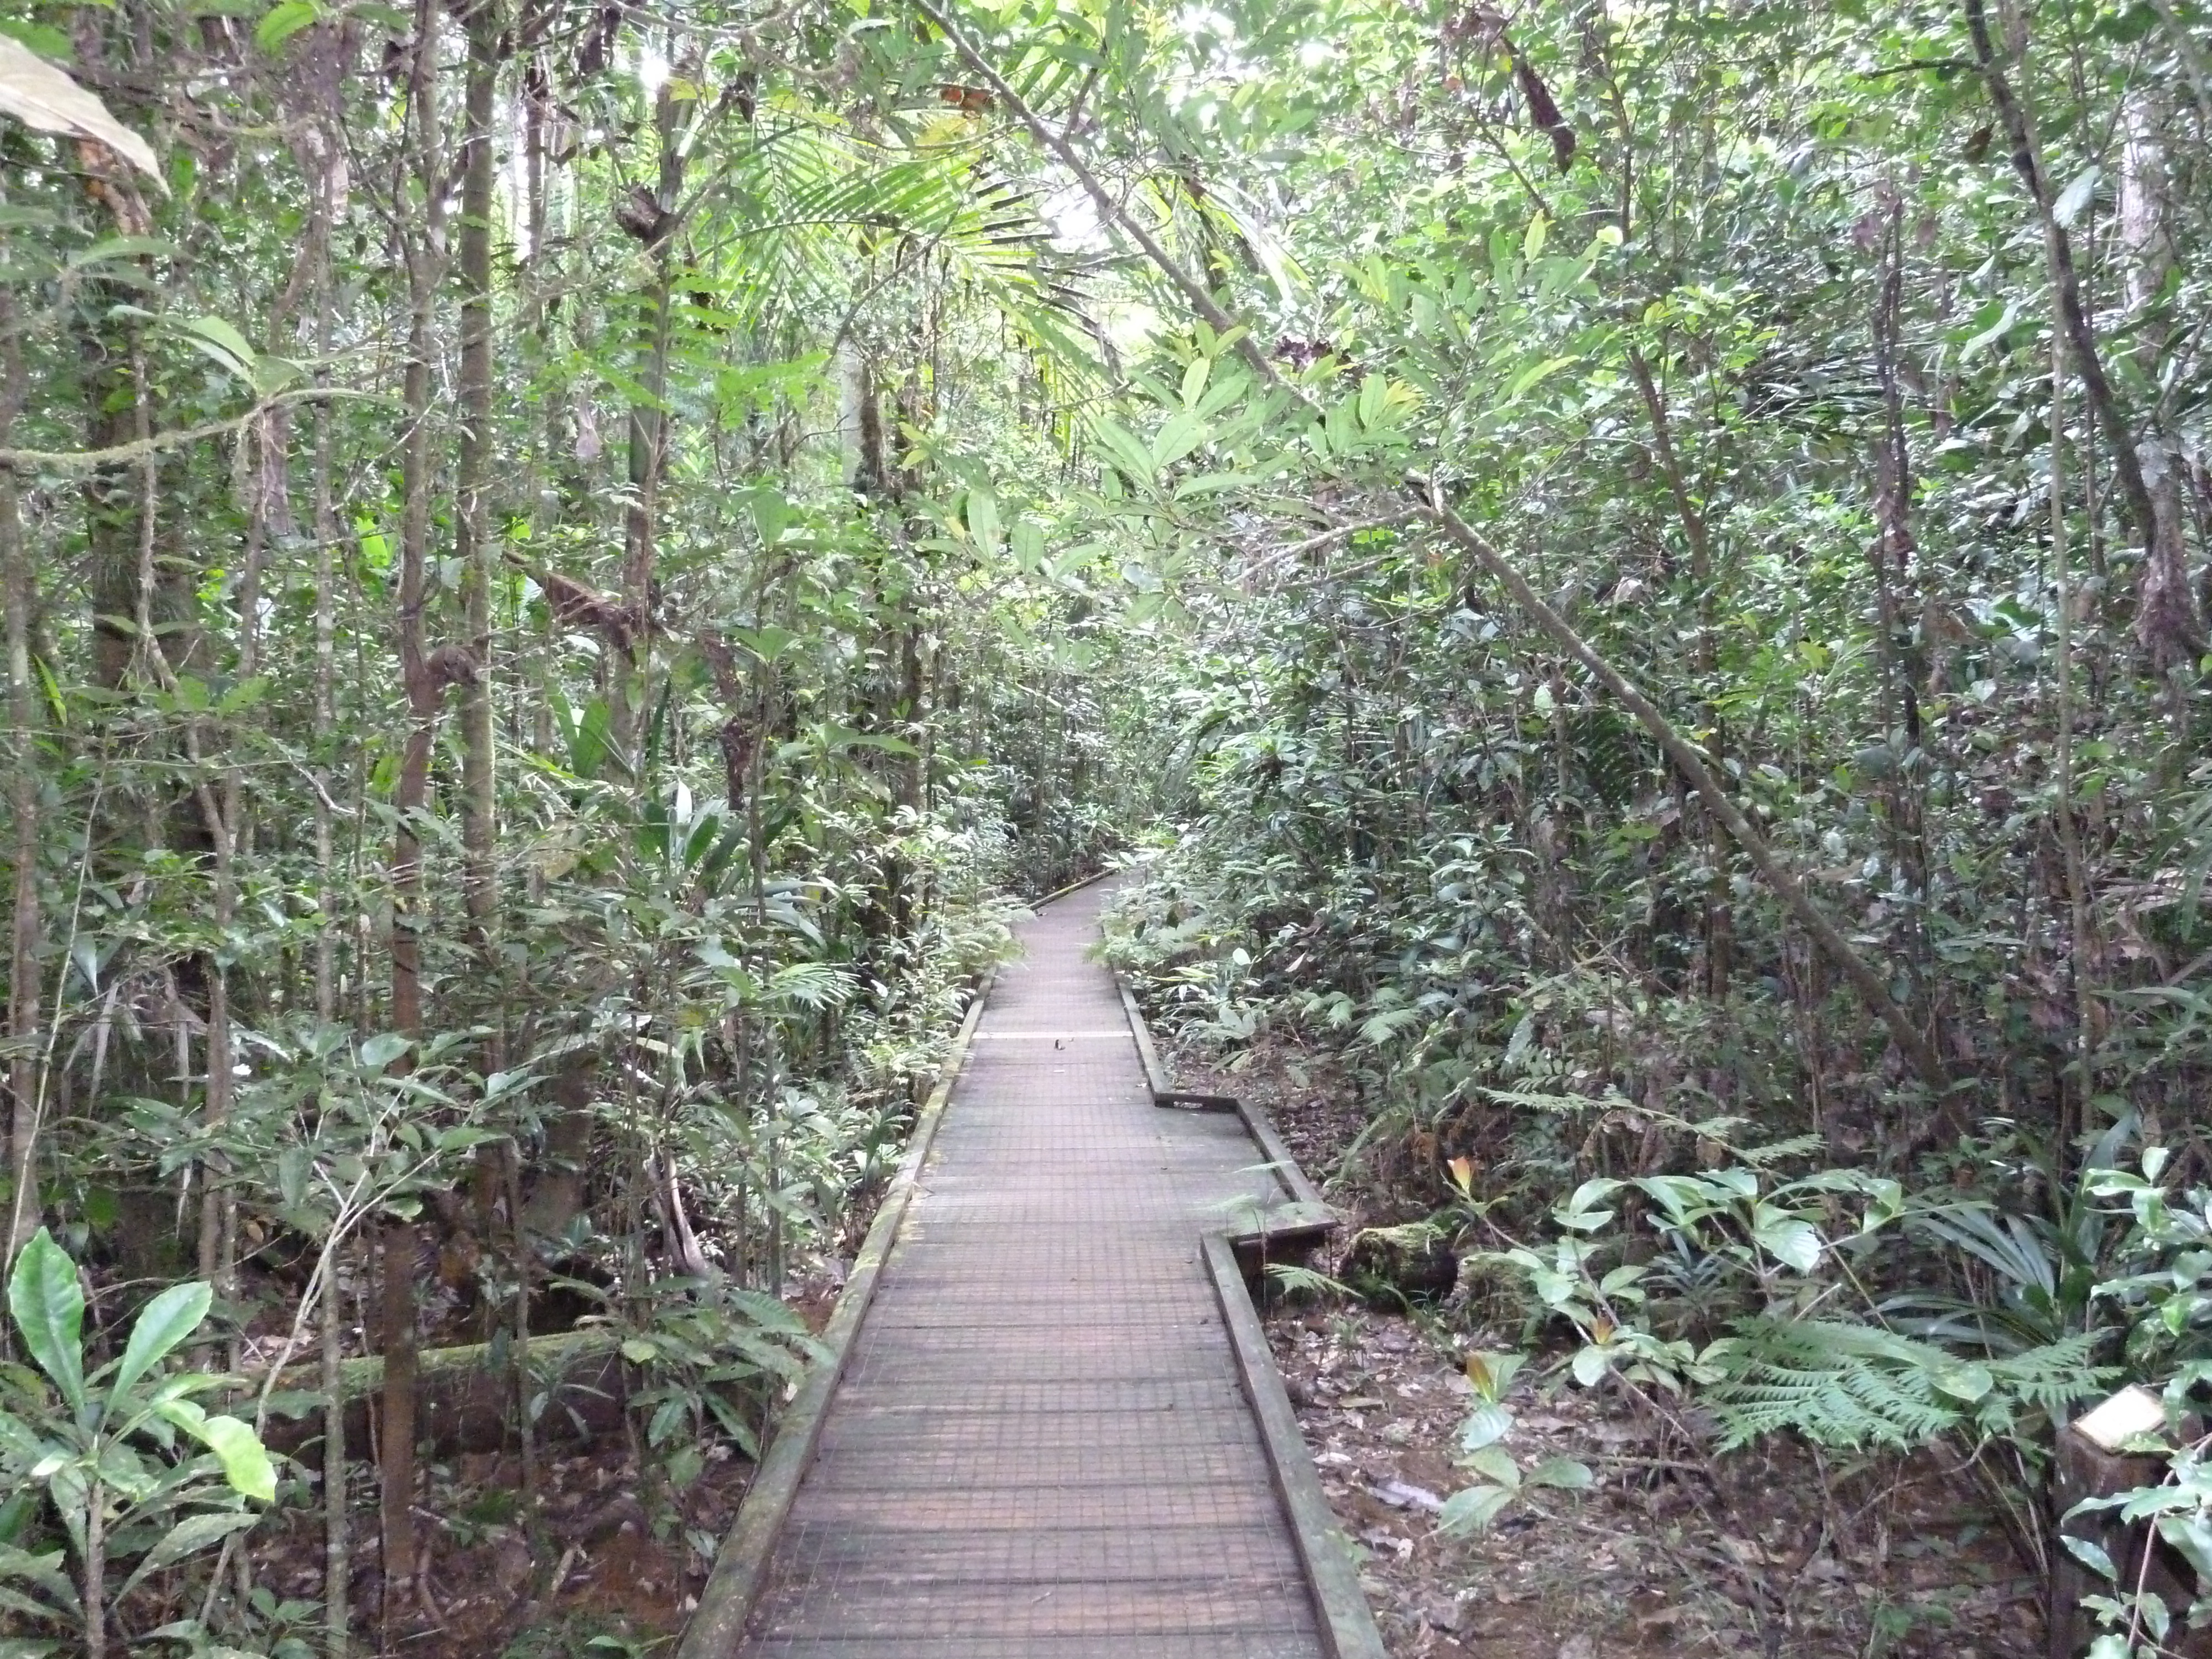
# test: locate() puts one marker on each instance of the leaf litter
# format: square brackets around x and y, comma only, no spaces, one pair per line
[1768,1552]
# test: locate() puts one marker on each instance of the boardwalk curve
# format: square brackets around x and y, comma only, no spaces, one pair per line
[1039,1447]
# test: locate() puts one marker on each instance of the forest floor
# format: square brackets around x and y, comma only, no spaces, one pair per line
[1672,1551]
[586,1559]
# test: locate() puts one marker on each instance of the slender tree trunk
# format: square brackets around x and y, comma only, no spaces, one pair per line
[1720,913]
[19,574]
[2165,611]
[2080,923]
[396,1425]
[649,425]
[422,679]
[479,557]
[338,1531]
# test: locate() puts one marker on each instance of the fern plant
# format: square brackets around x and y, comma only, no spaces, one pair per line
[1841,1382]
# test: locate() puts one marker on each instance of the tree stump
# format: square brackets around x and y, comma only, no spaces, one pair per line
[2090,1464]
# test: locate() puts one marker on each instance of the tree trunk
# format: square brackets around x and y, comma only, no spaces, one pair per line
[479,557]
[631,690]
[18,575]
[396,1425]
[2165,611]
[422,679]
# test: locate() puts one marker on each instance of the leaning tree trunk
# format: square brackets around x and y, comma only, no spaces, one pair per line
[2165,611]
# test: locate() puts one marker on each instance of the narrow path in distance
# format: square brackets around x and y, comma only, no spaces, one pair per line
[1040,1448]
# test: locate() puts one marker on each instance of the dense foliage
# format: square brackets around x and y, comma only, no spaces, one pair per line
[560,560]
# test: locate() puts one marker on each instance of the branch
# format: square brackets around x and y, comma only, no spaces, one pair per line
[86,460]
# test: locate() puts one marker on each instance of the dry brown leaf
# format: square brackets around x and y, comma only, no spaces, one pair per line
[45,99]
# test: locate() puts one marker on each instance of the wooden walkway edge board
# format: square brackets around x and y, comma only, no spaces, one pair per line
[734,1585]
[1308,1216]
[1348,1623]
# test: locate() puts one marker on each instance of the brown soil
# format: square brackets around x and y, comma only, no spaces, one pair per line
[1670,1552]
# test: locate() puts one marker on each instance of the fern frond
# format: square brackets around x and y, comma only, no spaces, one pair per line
[1840,1383]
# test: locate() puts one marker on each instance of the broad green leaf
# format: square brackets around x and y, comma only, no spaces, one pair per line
[2076,196]
[166,1321]
[285,19]
[48,1305]
[1793,1242]
[188,1537]
[1562,1472]
[1486,1425]
[1494,1463]
[122,247]
[48,1571]
[380,1050]
[1528,377]
[983,522]
[221,343]
[1967,1382]
[245,1460]
[1471,1511]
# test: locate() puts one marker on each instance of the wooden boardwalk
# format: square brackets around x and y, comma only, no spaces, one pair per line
[1039,1449]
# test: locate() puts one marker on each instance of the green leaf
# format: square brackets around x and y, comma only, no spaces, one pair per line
[1494,1463]
[41,38]
[1589,1363]
[188,1537]
[983,522]
[1563,1472]
[245,1460]
[122,248]
[2076,196]
[1793,1242]
[167,1319]
[1967,1382]
[380,1050]
[1589,1193]
[222,344]
[48,1571]
[1486,1424]
[1472,1510]
[285,20]
[48,1305]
